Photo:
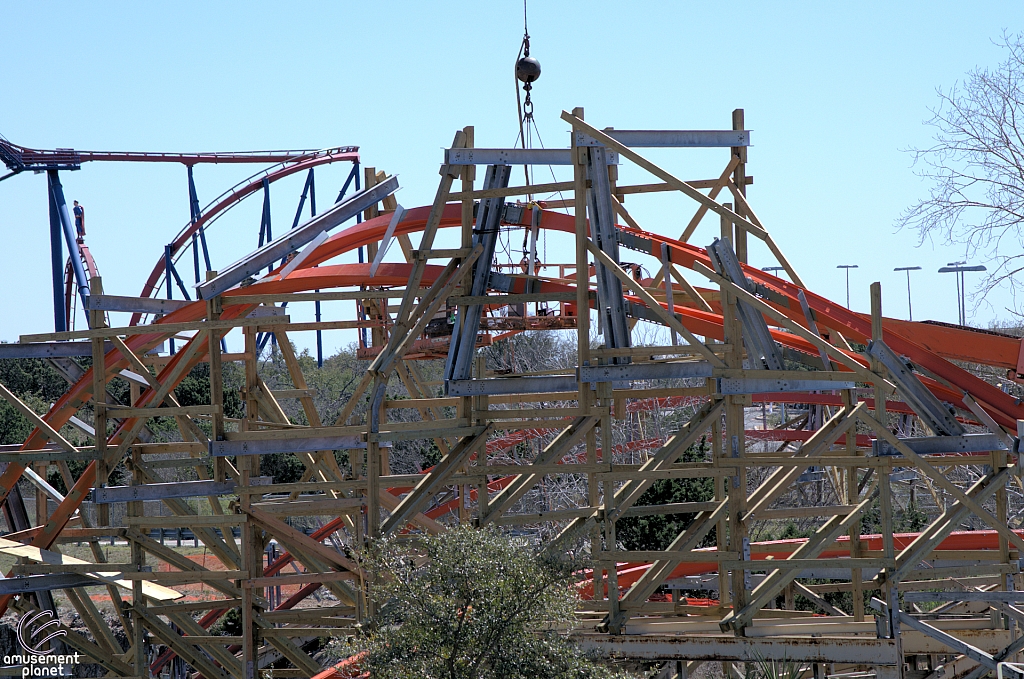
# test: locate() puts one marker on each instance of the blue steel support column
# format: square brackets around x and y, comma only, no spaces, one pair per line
[316,304]
[359,220]
[193,197]
[196,212]
[206,251]
[265,230]
[302,198]
[354,174]
[195,257]
[57,191]
[60,322]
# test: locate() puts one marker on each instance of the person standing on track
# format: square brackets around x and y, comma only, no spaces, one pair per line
[80,222]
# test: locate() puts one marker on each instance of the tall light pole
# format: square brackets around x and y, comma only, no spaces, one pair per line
[908,269]
[847,267]
[958,269]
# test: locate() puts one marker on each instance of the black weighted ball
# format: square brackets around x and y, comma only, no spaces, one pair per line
[528,69]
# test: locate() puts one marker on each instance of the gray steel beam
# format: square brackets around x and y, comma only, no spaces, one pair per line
[462,349]
[610,301]
[512,385]
[933,445]
[294,239]
[643,371]
[864,651]
[43,583]
[760,345]
[730,385]
[671,138]
[477,156]
[296,445]
[930,409]
[163,491]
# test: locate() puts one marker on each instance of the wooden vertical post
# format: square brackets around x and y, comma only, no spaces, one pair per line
[480,407]
[885,493]
[739,178]
[998,464]
[468,177]
[721,492]
[376,332]
[734,440]
[891,586]
[213,311]
[373,462]
[251,548]
[138,601]
[876,366]
[99,402]
[853,498]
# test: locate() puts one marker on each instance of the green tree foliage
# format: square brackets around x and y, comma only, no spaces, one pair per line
[32,376]
[658,531]
[473,604]
[33,381]
[284,467]
[909,520]
[194,390]
[14,428]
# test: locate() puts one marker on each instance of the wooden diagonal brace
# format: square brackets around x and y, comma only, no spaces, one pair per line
[778,483]
[939,479]
[565,440]
[942,526]
[643,588]
[673,181]
[630,492]
[175,642]
[667,318]
[721,183]
[434,479]
[286,533]
[779,578]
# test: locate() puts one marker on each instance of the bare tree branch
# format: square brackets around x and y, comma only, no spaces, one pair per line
[976,170]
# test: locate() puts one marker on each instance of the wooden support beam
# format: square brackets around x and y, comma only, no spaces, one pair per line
[165,329]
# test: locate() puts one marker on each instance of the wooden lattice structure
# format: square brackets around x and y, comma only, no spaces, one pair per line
[875,398]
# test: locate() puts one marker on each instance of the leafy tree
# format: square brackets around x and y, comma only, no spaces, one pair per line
[32,376]
[472,604]
[194,390]
[658,531]
[975,168]
[284,467]
[14,427]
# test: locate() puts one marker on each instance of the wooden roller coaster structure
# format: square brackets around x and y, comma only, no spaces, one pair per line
[878,398]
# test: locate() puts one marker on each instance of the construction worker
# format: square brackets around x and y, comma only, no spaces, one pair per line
[80,222]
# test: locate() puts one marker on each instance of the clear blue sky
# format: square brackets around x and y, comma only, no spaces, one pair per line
[832,93]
